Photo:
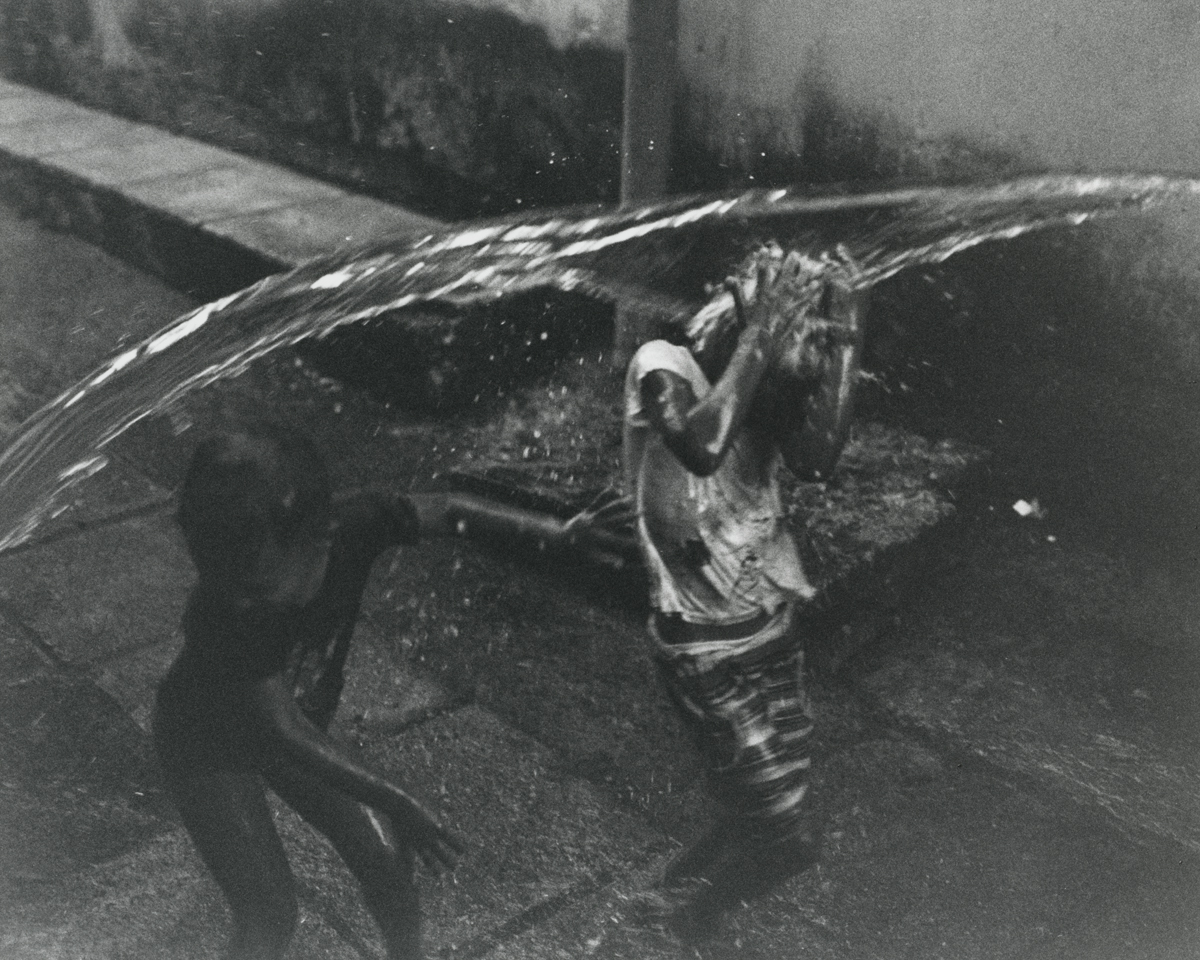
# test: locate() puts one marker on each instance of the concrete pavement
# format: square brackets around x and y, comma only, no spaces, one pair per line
[554,754]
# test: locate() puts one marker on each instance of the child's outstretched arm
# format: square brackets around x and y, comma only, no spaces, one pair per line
[292,733]
[602,530]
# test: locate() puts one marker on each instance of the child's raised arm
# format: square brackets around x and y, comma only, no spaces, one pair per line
[811,450]
[700,431]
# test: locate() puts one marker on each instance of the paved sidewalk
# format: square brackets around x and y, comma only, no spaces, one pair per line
[155,197]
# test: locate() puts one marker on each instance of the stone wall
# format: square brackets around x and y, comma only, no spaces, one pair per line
[1066,83]
[1073,84]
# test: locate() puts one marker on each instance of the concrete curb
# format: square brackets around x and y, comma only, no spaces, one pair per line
[202,219]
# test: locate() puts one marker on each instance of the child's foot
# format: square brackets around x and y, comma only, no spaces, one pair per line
[653,908]
[676,913]
[716,875]
[743,874]
[694,862]
[783,859]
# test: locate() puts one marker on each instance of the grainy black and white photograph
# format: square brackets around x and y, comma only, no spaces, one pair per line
[599,479]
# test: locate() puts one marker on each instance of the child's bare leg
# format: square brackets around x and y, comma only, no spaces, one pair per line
[227,815]
[364,839]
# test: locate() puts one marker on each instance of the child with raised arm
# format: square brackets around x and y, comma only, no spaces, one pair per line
[282,568]
[766,379]
[250,697]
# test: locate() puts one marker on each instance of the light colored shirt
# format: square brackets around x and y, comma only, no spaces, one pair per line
[717,548]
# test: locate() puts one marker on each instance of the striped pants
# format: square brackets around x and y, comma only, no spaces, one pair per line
[750,716]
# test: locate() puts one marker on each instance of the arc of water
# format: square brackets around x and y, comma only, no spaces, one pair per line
[615,255]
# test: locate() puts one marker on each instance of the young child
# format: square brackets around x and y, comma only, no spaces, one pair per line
[766,378]
[247,703]
[248,700]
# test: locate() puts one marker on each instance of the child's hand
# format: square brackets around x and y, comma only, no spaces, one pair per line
[437,847]
[846,278]
[777,289]
[753,292]
[849,291]
[609,512]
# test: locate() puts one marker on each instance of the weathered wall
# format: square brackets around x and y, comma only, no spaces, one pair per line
[1069,83]
[1080,84]
[1066,83]
[569,22]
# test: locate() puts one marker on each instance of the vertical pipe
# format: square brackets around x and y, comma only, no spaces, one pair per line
[652,40]
[650,65]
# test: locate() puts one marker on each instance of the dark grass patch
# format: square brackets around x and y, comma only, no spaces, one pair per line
[448,359]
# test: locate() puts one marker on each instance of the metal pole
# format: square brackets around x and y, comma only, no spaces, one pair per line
[650,58]
[652,41]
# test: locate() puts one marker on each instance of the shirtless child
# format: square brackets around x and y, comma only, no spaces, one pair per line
[707,427]
[246,705]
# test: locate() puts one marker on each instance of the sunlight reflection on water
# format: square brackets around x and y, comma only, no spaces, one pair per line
[652,260]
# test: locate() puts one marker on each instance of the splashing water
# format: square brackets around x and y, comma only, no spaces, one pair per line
[653,260]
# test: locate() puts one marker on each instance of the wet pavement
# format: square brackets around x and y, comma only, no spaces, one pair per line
[1009,770]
